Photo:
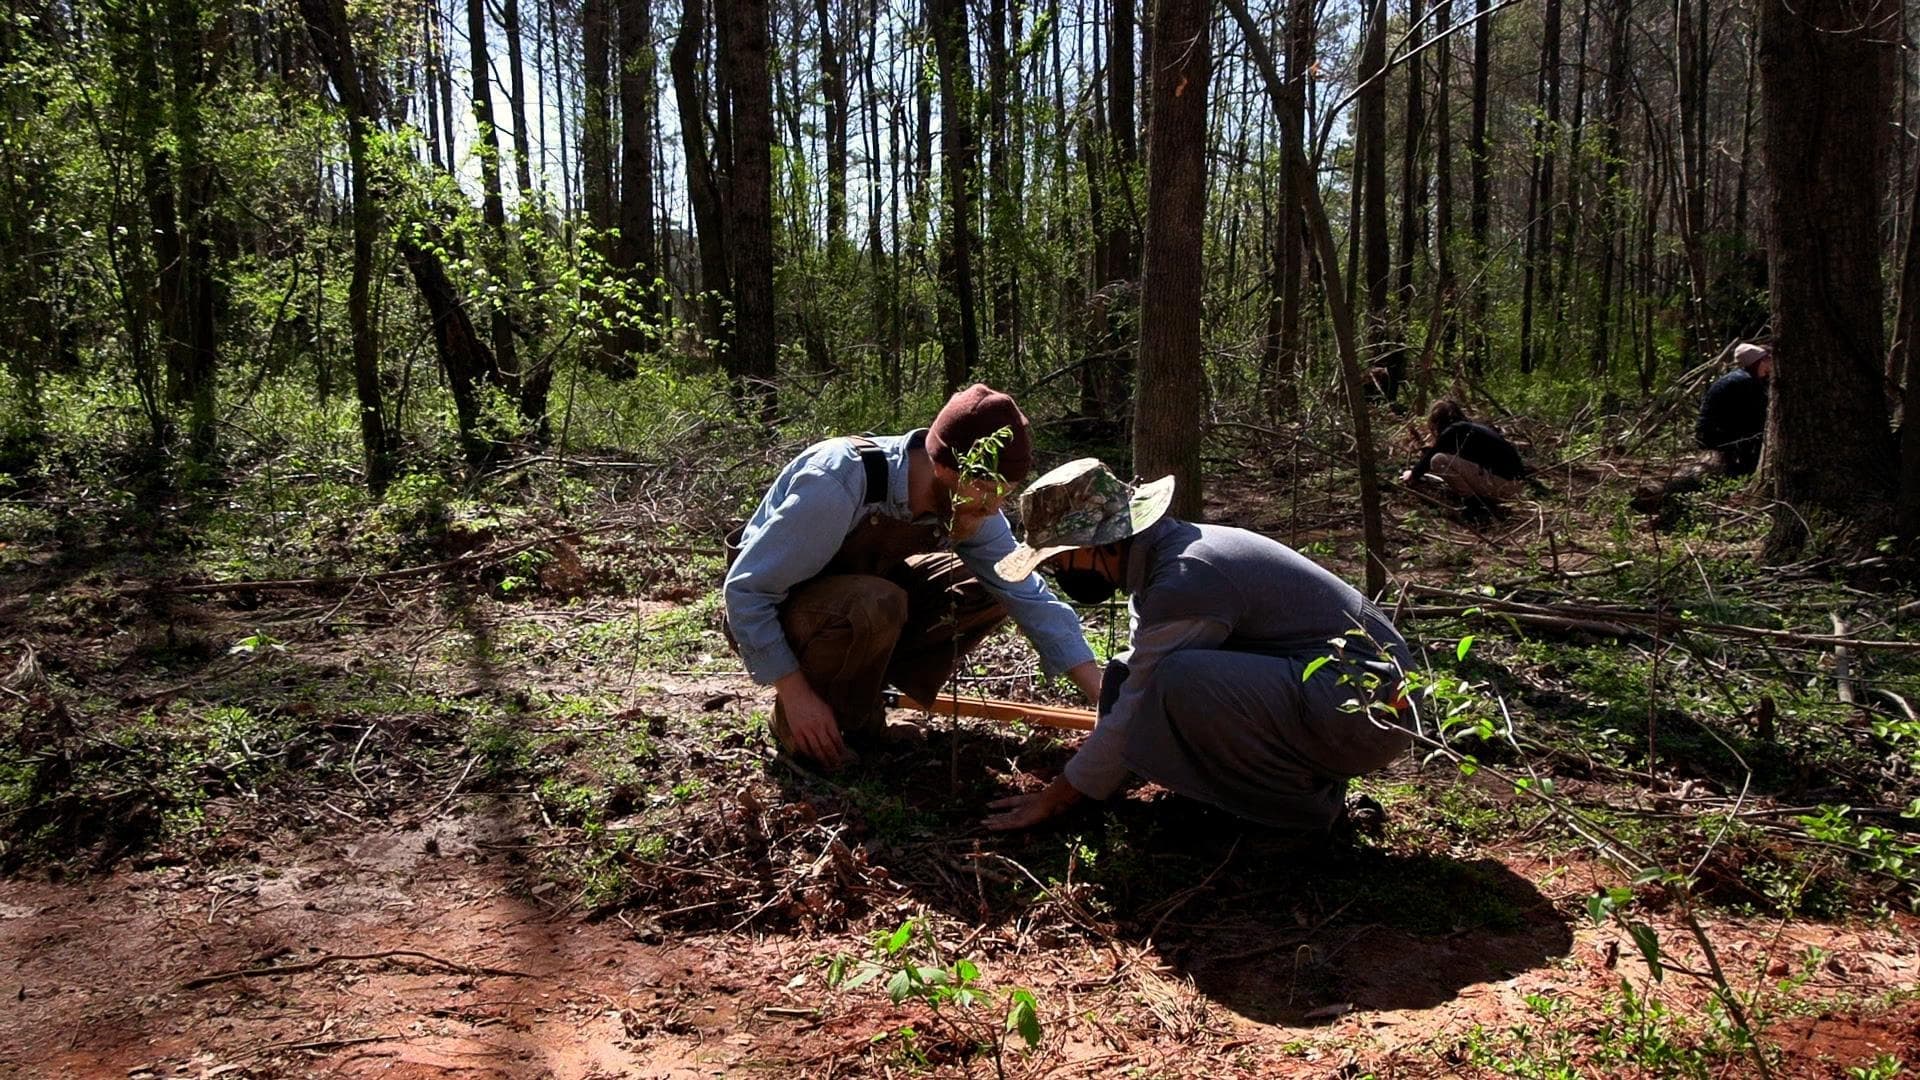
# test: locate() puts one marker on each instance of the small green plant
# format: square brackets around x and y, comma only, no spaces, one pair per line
[909,958]
[1884,1067]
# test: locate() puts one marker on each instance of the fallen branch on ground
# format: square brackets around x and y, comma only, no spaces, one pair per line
[342,958]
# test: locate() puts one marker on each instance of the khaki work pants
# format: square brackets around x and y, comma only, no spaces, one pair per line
[856,633]
[1467,478]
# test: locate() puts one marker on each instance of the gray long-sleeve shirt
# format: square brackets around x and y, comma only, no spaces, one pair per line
[808,513]
[1215,587]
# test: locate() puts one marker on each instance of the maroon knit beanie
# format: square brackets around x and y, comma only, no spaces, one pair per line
[978,411]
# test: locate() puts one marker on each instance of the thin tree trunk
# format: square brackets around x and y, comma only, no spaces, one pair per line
[1447,301]
[1612,238]
[1413,188]
[1294,149]
[493,208]
[833,84]
[327,25]
[1385,353]
[1539,221]
[1478,166]
[517,103]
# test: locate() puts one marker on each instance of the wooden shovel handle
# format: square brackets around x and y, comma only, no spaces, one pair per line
[1006,711]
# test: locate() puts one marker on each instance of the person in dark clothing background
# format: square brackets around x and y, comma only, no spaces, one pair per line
[1733,415]
[1472,458]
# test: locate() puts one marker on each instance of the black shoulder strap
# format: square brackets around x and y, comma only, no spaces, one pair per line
[874,460]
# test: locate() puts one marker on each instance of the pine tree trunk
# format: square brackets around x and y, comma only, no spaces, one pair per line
[596,122]
[1481,197]
[833,84]
[1826,89]
[1167,436]
[750,199]
[1382,343]
[636,255]
[1539,221]
[1413,188]
[959,333]
[1612,237]
[703,189]
[1446,288]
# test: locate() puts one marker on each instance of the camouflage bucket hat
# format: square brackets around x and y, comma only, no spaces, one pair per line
[1081,504]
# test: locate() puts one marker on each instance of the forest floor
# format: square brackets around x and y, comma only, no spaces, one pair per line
[518,815]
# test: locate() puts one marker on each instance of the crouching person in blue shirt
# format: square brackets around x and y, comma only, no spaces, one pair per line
[1218,698]
[870,561]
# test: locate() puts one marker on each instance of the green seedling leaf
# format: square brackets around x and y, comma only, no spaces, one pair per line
[965,972]
[1024,1017]
[1649,943]
[1466,645]
[899,986]
[866,974]
[899,938]
[1314,665]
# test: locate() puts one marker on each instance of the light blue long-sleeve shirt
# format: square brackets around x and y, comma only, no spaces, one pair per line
[808,513]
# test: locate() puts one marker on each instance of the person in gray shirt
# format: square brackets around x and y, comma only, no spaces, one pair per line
[1217,698]
[870,562]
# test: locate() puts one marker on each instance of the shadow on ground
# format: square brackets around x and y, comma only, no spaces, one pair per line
[1271,935]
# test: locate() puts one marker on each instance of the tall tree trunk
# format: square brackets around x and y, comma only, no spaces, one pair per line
[196,346]
[750,199]
[1478,212]
[636,255]
[1826,88]
[1327,259]
[703,188]
[1446,289]
[493,208]
[1539,222]
[960,333]
[560,104]
[1612,237]
[1692,44]
[1413,187]
[833,84]
[1293,239]
[1118,259]
[517,104]
[1003,219]
[596,120]
[1902,369]
[1384,351]
[327,25]
[1568,239]
[1167,437]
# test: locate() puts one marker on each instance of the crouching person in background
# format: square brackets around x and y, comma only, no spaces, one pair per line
[1210,700]
[1472,459]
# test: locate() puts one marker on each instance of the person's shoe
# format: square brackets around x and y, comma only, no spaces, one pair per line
[1362,816]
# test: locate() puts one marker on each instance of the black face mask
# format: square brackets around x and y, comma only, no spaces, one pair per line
[1084,586]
